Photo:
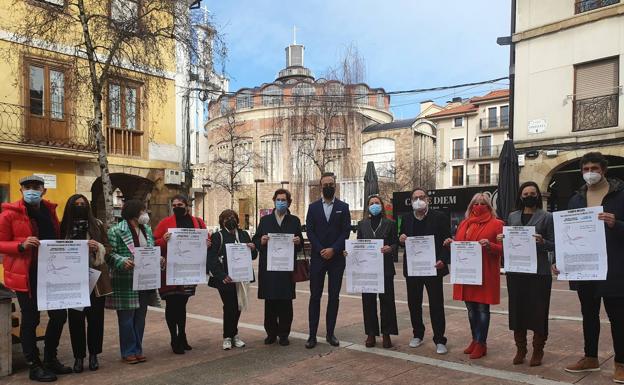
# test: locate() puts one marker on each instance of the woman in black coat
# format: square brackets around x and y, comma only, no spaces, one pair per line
[233,294]
[277,287]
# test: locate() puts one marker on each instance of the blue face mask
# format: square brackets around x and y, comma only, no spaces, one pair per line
[374,209]
[281,206]
[32,197]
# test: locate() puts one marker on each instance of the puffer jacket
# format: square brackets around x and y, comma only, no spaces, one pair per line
[15,227]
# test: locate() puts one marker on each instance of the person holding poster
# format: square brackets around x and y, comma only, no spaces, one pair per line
[79,223]
[233,294]
[131,305]
[377,226]
[276,287]
[608,193]
[176,297]
[419,223]
[480,225]
[529,294]
[22,225]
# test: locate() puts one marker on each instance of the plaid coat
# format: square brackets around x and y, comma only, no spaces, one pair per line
[120,238]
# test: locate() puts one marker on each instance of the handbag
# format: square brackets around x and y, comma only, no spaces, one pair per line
[302,269]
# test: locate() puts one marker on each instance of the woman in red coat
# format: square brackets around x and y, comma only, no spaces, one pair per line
[480,225]
[176,296]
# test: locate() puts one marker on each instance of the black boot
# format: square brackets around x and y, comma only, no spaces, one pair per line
[39,373]
[184,342]
[93,362]
[176,346]
[56,367]
[78,365]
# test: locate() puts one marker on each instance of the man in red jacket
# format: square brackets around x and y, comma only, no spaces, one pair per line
[22,225]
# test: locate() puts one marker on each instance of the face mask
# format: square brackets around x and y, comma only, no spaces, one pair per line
[479,210]
[419,205]
[80,212]
[281,206]
[230,224]
[529,201]
[179,211]
[144,219]
[374,209]
[328,192]
[32,197]
[592,177]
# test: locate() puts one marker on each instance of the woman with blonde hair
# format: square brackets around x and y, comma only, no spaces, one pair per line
[480,225]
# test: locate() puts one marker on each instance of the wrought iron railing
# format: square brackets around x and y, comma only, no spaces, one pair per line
[495,123]
[581,6]
[484,152]
[481,179]
[597,112]
[49,129]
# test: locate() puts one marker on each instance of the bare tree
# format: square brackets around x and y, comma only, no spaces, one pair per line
[109,39]
[421,172]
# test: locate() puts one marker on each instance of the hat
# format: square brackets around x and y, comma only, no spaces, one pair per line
[31,179]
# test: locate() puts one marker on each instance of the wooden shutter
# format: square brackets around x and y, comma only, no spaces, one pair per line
[598,78]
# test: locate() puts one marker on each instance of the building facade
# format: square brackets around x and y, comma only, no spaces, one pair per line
[470,136]
[568,90]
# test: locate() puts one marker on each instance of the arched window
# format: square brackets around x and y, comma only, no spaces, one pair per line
[225,105]
[272,96]
[303,92]
[361,95]
[381,151]
[244,100]
[334,90]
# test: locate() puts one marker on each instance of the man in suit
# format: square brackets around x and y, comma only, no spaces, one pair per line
[328,224]
[423,221]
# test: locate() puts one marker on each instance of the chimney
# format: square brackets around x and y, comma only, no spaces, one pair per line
[425,104]
[456,99]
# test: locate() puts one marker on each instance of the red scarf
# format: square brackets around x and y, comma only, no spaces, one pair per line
[471,227]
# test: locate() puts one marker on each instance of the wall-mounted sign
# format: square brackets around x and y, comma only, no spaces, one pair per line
[537,126]
[49,180]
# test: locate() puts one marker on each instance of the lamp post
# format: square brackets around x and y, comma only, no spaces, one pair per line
[205,186]
[284,182]
[256,181]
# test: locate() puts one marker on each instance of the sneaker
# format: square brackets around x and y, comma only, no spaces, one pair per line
[585,364]
[618,374]
[238,342]
[227,343]
[441,349]
[415,342]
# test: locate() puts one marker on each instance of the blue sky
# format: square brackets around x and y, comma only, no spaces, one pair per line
[406,44]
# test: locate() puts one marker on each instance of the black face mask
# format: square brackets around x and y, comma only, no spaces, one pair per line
[179,211]
[529,201]
[230,224]
[328,192]
[80,212]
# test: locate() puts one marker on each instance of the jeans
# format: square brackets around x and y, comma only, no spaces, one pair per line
[132,325]
[479,317]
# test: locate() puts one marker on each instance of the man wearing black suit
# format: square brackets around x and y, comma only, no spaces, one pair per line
[328,224]
[423,221]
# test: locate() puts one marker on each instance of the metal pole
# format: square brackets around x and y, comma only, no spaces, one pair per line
[256,214]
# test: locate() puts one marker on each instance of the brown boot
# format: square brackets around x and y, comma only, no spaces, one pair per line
[370,341]
[520,336]
[539,341]
[585,364]
[387,342]
[618,374]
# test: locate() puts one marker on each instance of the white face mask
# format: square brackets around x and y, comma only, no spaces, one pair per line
[144,219]
[592,177]
[419,205]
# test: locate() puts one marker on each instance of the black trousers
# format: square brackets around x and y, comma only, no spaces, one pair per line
[278,316]
[334,272]
[30,321]
[388,310]
[231,314]
[590,308]
[175,314]
[435,291]
[94,315]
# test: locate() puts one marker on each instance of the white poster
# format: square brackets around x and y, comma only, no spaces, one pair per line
[146,274]
[520,249]
[186,256]
[63,274]
[420,256]
[94,275]
[466,263]
[580,244]
[280,252]
[239,264]
[365,266]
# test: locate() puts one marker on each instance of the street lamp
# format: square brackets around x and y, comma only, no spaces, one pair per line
[206,185]
[284,182]
[256,181]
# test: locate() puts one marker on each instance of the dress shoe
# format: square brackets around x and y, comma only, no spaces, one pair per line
[39,373]
[310,343]
[284,341]
[585,364]
[270,340]
[387,342]
[370,342]
[332,340]
[55,366]
[132,360]
[78,365]
[141,358]
[93,362]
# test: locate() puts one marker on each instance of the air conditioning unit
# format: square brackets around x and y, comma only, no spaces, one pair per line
[174,177]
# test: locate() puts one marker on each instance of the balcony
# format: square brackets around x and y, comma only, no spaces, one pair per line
[494,124]
[481,179]
[484,152]
[124,142]
[581,6]
[50,130]
[597,112]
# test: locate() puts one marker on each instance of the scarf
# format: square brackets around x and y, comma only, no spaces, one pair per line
[471,227]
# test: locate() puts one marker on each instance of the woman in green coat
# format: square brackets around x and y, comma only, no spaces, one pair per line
[131,305]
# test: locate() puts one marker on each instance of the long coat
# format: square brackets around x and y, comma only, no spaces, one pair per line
[489,291]
[276,284]
[120,238]
[387,231]
[436,224]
